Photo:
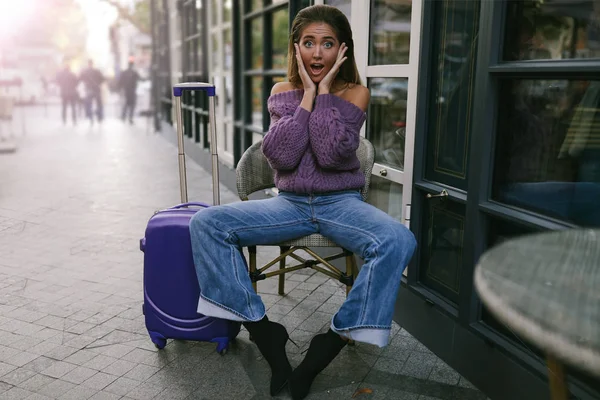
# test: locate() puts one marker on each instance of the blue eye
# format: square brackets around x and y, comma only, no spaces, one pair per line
[308,43]
[328,45]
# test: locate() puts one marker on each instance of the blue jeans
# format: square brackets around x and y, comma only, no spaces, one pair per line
[89,106]
[219,233]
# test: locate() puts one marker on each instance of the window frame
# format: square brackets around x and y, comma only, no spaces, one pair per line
[161,54]
[361,21]
[216,69]
[481,209]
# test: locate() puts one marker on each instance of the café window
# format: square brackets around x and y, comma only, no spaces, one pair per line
[266,24]
[552,30]
[389,32]
[548,148]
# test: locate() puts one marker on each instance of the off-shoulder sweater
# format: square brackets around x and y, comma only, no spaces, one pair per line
[314,152]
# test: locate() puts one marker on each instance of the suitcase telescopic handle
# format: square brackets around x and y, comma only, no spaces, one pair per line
[178,90]
[190,204]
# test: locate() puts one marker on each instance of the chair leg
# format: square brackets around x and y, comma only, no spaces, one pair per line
[252,256]
[349,270]
[557,378]
[282,249]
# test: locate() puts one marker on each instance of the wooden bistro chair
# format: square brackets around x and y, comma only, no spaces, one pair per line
[254,173]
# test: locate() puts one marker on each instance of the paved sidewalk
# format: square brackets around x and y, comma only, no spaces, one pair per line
[74,203]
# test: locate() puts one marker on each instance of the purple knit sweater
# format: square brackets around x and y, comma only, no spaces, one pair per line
[314,152]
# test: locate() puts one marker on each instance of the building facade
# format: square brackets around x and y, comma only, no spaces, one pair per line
[485,119]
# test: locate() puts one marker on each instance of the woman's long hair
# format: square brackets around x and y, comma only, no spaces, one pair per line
[338,21]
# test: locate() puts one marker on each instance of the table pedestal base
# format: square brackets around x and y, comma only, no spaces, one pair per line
[557,378]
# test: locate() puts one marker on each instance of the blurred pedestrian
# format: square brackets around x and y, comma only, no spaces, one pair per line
[67,82]
[92,78]
[128,84]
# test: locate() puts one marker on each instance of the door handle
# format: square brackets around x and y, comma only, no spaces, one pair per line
[443,193]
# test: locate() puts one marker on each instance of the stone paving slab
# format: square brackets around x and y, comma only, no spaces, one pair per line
[74,202]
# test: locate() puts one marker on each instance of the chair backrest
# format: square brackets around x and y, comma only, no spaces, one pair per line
[253,172]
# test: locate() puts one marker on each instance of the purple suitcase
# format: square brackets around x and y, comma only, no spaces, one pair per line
[171,289]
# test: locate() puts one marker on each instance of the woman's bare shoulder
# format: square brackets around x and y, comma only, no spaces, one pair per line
[281,87]
[357,95]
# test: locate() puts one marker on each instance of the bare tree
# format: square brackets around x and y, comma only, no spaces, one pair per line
[137,20]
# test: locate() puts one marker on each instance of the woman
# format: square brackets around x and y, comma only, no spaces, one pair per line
[311,144]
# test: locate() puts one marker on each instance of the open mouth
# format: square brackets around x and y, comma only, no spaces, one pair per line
[316,69]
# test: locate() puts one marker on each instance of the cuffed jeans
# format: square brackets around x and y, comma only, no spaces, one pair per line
[219,233]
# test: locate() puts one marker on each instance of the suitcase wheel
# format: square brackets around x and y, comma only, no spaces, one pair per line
[222,345]
[159,340]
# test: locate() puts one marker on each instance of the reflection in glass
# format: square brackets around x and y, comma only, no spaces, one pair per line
[387,196]
[256,43]
[389,40]
[344,6]
[454,48]
[548,148]
[199,16]
[386,127]
[280,38]
[228,85]
[257,84]
[215,12]
[552,30]
[200,54]
[215,50]
[255,5]
[443,247]
[227,50]
[500,230]
[227,11]
[191,56]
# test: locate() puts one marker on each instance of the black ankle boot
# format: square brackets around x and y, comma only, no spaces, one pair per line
[271,337]
[322,350]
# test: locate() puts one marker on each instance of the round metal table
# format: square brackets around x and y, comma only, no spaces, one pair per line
[546,287]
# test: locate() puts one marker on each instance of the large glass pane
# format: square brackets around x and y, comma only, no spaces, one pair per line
[454,47]
[387,196]
[200,54]
[280,38]
[255,5]
[228,85]
[548,148]
[442,247]
[389,40]
[215,12]
[227,50]
[227,11]
[257,100]
[199,12]
[344,6]
[386,127]
[190,18]
[545,30]
[256,43]
[215,50]
[191,56]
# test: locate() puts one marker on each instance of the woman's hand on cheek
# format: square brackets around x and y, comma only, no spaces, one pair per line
[325,84]
[307,83]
